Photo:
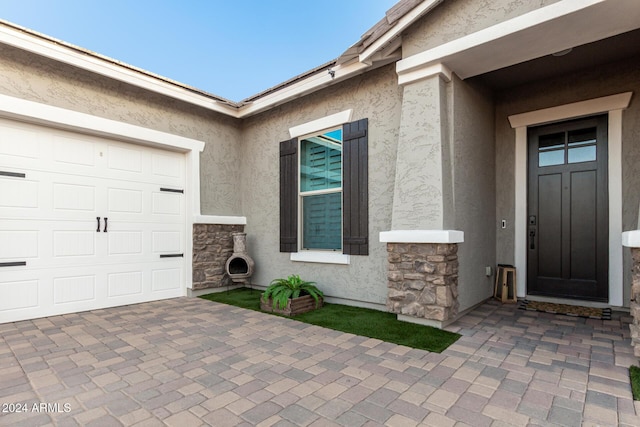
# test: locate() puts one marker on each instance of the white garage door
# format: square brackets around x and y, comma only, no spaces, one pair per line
[86,223]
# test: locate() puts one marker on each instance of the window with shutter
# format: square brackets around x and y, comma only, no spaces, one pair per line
[325,176]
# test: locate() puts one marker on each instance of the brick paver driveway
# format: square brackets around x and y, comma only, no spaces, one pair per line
[189,362]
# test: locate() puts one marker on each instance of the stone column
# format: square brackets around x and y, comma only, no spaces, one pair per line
[422,254]
[212,246]
[631,239]
[423,275]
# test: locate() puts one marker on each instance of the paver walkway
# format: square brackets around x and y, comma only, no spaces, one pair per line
[190,362]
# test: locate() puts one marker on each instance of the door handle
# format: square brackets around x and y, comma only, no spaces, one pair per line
[105,224]
[98,229]
[532,238]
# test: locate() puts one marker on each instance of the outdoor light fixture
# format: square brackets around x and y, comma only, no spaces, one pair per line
[562,52]
[331,73]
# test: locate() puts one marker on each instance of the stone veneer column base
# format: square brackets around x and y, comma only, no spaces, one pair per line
[423,281]
[212,247]
[635,302]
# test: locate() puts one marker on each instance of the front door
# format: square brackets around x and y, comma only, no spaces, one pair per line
[568,210]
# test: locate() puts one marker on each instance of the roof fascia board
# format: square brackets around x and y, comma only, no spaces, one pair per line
[367,55]
[46,48]
[303,87]
[471,50]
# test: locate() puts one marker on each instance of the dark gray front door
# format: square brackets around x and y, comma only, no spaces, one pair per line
[568,222]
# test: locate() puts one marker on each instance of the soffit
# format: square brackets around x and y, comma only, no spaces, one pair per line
[551,29]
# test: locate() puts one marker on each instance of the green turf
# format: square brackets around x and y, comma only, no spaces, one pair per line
[634,374]
[355,320]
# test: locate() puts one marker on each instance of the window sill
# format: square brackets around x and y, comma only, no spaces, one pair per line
[321,257]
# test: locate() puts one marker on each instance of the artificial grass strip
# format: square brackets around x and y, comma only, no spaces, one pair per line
[355,320]
[634,374]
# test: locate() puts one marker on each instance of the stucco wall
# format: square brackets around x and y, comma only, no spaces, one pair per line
[38,79]
[456,18]
[473,189]
[418,199]
[375,96]
[602,81]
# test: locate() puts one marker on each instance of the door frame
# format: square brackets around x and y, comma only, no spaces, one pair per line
[613,106]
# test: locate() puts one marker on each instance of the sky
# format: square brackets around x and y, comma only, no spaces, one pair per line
[230,48]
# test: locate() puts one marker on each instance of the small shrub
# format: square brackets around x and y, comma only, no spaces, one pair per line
[281,290]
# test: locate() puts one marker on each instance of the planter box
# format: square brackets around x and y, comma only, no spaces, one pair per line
[294,306]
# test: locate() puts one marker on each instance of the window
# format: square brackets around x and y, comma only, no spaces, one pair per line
[321,190]
[574,146]
[324,191]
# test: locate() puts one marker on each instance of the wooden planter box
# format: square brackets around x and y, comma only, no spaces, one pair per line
[294,306]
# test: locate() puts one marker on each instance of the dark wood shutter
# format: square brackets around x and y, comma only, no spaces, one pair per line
[355,188]
[289,195]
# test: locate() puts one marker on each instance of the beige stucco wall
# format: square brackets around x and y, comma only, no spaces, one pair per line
[605,80]
[456,18]
[38,79]
[376,96]
[472,191]
[418,198]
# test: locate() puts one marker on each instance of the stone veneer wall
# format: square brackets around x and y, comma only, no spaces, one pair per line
[635,301]
[212,247]
[423,280]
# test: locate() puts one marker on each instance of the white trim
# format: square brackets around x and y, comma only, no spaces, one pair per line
[520,223]
[619,101]
[216,219]
[616,276]
[322,257]
[47,115]
[631,239]
[422,73]
[35,112]
[532,35]
[422,236]
[337,119]
[613,105]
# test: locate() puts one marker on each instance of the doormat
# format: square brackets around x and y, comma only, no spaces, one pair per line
[568,310]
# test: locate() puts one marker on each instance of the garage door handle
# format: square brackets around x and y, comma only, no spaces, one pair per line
[105,224]
[98,229]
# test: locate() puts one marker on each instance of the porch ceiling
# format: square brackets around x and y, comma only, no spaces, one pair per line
[537,34]
[590,55]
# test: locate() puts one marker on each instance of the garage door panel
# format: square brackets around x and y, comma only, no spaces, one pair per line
[54,220]
[125,284]
[18,245]
[17,295]
[125,243]
[167,166]
[73,289]
[74,243]
[124,159]
[74,197]
[167,204]
[121,200]
[167,242]
[166,280]
[19,193]
[72,150]
[18,141]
